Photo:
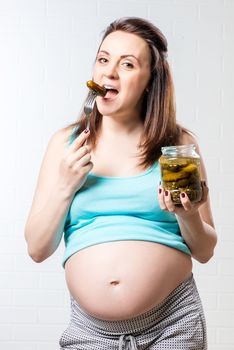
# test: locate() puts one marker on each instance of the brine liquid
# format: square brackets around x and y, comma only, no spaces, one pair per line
[181,175]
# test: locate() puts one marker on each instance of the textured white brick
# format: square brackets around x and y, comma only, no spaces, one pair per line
[5,332]
[225,249]
[23,6]
[13,245]
[9,345]
[23,262]
[220,318]
[37,333]
[210,268]
[6,262]
[187,11]
[6,297]
[213,166]
[69,8]
[10,23]
[218,284]
[224,347]
[6,228]
[47,345]
[226,267]
[18,315]
[224,198]
[55,316]
[31,297]
[211,336]
[6,209]
[211,14]
[225,301]
[225,335]
[52,281]
[113,10]
[18,280]
[209,301]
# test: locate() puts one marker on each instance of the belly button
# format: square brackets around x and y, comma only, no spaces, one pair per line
[114,283]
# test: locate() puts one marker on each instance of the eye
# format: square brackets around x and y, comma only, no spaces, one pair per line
[128,65]
[102,60]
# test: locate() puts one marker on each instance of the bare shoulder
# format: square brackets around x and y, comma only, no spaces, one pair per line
[56,148]
[60,137]
[58,143]
[188,138]
[50,166]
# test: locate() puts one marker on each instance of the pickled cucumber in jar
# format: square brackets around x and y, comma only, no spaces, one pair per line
[180,172]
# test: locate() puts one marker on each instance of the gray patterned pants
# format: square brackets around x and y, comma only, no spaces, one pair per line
[177,323]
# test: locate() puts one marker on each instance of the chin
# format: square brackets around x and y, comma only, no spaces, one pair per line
[107,110]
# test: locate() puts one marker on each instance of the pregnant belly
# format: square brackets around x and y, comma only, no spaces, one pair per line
[120,280]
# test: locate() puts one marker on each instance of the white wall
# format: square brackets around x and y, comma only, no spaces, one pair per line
[47,49]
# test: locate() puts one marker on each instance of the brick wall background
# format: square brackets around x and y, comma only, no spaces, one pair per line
[46,52]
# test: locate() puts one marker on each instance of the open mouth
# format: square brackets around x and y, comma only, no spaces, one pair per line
[111,92]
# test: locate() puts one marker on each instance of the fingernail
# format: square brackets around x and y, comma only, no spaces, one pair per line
[86,131]
[160,191]
[166,193]
[182,194]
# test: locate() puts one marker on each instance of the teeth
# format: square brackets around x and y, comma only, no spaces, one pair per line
[109,87]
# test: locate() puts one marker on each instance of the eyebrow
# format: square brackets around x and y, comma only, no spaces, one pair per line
[122,56]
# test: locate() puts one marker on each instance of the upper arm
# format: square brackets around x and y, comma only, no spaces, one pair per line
[49,169]
[205,208]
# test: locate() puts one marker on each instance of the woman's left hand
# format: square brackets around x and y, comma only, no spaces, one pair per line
[187,208]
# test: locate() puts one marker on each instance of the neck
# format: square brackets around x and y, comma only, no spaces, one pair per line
[124,127]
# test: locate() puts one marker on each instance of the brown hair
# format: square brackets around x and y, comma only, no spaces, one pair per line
[158,111]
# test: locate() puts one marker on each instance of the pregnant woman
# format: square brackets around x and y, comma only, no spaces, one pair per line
[129,249]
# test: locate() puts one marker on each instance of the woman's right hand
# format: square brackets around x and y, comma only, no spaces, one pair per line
[75,164]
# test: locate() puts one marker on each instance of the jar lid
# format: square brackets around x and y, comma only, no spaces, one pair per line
[175,150]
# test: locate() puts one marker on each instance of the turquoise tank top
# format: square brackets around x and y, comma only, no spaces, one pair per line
[108,209]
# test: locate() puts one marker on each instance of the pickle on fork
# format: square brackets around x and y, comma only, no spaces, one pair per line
[99,90]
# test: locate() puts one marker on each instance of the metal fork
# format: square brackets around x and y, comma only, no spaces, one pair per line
[88,105]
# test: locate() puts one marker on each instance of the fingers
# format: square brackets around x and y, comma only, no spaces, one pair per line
[85,160]
[165,201]
[76,156]
[187,204]
[80,140]
[161,198]
[86,168]
[81,152]
[185,201]
[205,191]
[79,148]
[168,201]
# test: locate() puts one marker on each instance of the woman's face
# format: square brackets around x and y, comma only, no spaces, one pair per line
[123,65]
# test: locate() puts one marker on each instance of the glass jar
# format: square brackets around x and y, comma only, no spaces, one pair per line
[180,172]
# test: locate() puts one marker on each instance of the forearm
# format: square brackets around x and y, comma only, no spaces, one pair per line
[200,237]
[44,228]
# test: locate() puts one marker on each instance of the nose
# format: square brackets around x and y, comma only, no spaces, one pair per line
[111,71]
